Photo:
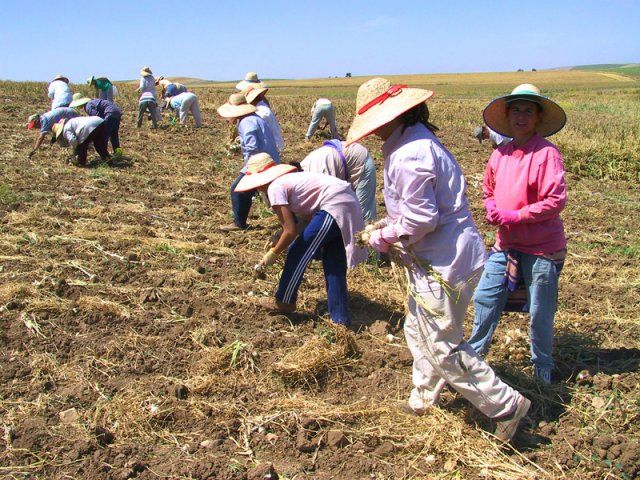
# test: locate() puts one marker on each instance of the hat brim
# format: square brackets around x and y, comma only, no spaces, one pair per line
[244,84]
[553,117]
[255,92]
[58,131]
[80,102]
[233,111]
[365,124]
[255,180]
[144,73]
[64,79]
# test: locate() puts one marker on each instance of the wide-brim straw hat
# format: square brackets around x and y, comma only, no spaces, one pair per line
[251,92]
[261,170]
[61,77]
[90,80]
[250,80]
[158,79]
[378,102]
[57,128]
[31,121]
[552,116]
[236,106]
[79,100]
[145,71]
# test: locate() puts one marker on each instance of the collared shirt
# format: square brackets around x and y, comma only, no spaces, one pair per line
[264,112]
[306,193]
[77,130]
[60,94]
[102,108]
[529,179]
[50,118]
[326,159]
[427,206]
[256,137]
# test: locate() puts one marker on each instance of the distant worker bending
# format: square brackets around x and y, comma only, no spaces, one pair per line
[322,108]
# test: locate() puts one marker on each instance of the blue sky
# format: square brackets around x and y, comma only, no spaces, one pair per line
[299,39]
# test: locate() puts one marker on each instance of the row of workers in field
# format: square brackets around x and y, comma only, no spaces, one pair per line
[428,229]
[102,124]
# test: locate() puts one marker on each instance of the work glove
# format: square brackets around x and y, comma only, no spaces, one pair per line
[377,241]
[268,259]
[375,226]
[504,217]
[490,207]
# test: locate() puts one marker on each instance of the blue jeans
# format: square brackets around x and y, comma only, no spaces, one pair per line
[541,279]
[320,112]
[366,191]
[322,236]
[241,203]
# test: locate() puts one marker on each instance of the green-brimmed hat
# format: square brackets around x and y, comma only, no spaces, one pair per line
[552,117]
[79,100]
[58,127]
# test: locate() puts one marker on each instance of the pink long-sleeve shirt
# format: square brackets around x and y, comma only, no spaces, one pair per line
[529,179]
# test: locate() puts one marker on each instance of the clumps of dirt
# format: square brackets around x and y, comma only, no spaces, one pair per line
[333,348]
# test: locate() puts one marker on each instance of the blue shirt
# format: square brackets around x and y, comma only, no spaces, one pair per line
[256,137]
[102,108]
[48,119]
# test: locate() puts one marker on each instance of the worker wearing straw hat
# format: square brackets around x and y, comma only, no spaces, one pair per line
[322,108]
[250,80]
[430,233]
[352,164]
[45,121]
[256,97]
[59,92]
[169,88]
[328,218]
[524,193]
[147,102]
[108,111]
[105,90]
[255,137]
[184,104]
[79,133]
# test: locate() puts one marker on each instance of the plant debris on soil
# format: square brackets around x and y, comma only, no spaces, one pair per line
[133,345]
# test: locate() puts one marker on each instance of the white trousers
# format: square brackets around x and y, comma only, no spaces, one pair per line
[190,106]
[434,332]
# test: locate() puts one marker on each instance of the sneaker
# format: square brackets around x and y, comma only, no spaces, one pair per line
[507,426]
[270,303]
[232,227]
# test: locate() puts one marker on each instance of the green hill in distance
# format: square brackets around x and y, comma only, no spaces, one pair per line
[621,68]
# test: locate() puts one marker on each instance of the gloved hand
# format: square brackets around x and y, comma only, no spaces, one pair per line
[504,217]
[375,226]
[377,242]
[268,259]
[490,207]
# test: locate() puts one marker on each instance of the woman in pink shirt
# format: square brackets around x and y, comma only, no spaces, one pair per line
[320,216]
[429,225]
[524,193]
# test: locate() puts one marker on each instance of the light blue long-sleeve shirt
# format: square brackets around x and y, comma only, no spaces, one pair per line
[256,137]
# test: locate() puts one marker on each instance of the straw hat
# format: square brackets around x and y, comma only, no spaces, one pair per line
[236,106]
[90,80]
[145,71]
[79,100]
[261,170]
[158,79]
[552,119]
[378,103]
[252,92]
[61,77]
[250,80]
[57,128]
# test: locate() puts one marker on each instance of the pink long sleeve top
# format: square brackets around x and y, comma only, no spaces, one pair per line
[529,179]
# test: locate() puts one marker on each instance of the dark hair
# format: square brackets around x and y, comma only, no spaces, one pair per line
[297,165]
[418,114]
[510,104]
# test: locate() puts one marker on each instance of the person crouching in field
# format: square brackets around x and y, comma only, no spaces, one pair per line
[524,193]
[256,97]
[147,101]
[79,133]
[108,111]
[319,215]
[352,164]
[255,137]
[184,104]
[430,233]
[59,92]
[46,121]
[105,90]
[169,88]
[322,108]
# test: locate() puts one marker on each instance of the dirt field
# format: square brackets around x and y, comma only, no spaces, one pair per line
[124,309]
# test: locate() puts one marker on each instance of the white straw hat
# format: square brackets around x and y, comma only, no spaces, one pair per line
[552,118]
[236,106]
[251,92]
[145,71]
[261,170]
[250,80]
[61,77]
[378,103]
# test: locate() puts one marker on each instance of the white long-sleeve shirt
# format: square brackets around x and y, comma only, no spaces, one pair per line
[265,113]
[59,93]
[76,130]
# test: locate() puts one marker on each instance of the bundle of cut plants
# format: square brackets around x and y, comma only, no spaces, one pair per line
[333,348]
